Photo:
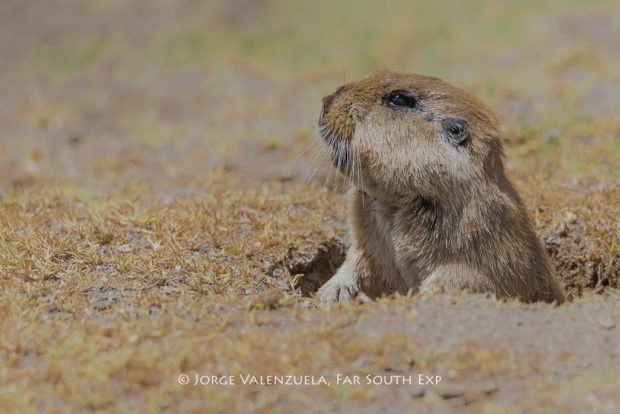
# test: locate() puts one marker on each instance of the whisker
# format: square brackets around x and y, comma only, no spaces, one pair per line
[319,155]
[330,143]
[316,168]
[308,147]
[361,178]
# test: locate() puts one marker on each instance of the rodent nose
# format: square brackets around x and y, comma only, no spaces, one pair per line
[327,101]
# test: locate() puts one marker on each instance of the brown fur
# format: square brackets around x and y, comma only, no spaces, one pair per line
[426,213]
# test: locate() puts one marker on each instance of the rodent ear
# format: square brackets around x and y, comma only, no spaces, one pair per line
[455,130]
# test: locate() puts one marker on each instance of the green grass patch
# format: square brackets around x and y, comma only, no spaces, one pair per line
[70,56]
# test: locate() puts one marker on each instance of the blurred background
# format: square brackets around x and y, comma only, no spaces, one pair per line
[123,92]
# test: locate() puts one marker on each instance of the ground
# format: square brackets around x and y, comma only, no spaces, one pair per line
[163,210]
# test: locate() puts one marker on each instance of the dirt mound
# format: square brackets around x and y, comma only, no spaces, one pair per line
[580,228]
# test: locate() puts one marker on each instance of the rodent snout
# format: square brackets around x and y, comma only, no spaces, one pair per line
[327,101]
[339,115]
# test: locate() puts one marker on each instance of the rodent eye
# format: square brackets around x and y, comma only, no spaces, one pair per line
[401,99]
[455,130]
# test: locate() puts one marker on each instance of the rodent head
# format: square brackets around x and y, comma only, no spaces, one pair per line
[399,135]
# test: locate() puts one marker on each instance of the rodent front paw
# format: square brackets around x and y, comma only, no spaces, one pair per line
[337,290]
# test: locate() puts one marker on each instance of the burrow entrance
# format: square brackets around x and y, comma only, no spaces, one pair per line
[309,271]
